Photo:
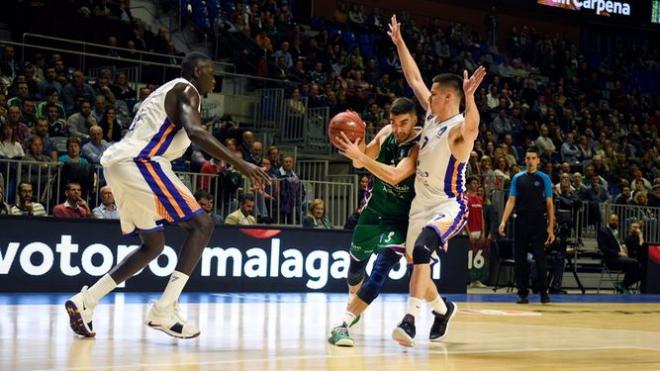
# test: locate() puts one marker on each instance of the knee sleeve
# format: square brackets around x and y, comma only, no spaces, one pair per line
[427,242]
[371,287]
[356,271]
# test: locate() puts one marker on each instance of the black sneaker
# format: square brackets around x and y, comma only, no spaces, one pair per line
[545,298]
[441,321]
[404,333]
[522,300]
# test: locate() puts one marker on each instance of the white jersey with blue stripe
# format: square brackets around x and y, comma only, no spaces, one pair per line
[151,133]
[440,175]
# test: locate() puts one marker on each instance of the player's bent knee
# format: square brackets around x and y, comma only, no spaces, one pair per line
[427,242]
[371,288]
[202,224]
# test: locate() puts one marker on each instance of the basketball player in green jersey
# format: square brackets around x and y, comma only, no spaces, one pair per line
[383,223]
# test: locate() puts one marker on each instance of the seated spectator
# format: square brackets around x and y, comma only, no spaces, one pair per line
[50,81]
[624,198]
[635,240]
[316,216]
[25,206]
[256,153]
[93,150]
[121,89]
[41,130]
[205,200]
[596,193]
[654,196]
[576,182]
[107,209]
[100,106]
[5,209]
[275,157]
[80,122]
[73,152]
[243,215]
[111,127]
[9,146]
[144,93]
[56,124]
[39,175]
[639,183]
[74,206]
[615,256]
[76,88]
[569,151]
[544,143]
[246,145]
[564,180]
[15,120]
[52,98]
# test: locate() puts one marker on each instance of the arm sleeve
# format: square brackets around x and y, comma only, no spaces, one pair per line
[513,189]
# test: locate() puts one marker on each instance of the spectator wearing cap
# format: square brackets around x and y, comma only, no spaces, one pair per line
[107,209]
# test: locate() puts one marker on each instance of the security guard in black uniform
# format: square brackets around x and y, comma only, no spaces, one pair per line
[531,194]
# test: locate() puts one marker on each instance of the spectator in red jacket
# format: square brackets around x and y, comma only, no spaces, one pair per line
[74,206]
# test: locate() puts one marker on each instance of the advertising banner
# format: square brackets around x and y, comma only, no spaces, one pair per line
[51,255]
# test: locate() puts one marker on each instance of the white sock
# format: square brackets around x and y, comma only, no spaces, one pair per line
[438,305]
[173,290]
[101,288]
[413,307]
[348,318]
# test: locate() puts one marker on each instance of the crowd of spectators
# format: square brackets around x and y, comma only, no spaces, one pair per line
[594,122]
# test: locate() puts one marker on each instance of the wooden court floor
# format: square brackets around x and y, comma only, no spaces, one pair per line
[288,332]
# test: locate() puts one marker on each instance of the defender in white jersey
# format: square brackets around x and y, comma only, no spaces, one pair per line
[439,209]
[149,194]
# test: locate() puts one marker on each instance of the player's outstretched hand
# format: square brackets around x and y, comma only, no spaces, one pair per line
[471,84]
[258,177]
[395,31]
[347,148]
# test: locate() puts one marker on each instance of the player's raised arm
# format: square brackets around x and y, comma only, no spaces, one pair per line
[389,174]
[470,129]
[410,69]
[181,106]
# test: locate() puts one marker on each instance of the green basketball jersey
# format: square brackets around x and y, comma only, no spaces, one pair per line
[392,203]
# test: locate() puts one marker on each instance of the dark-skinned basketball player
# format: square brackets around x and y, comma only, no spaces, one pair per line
[149,194]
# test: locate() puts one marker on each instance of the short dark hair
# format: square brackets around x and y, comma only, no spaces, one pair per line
[451,80]
[190,62]
[200,193]
[249,196]
[472,178]
[403,105]
[24,182]
[68,185]
[533,149]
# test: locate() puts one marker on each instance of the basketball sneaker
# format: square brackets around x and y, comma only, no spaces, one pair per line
[80,310]
[168,319]
[404,333]
[340,337]
[441,321]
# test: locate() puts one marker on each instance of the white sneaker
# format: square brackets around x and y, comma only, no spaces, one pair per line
[80,310]
[169,320]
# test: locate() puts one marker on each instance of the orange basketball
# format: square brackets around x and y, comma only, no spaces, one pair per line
[349,123]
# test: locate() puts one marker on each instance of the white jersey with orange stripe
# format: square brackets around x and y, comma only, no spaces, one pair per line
[440,175]
[151,133]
